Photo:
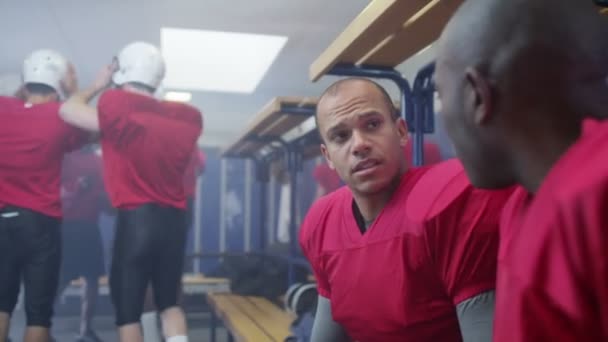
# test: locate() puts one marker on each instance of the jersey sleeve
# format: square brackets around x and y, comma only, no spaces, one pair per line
[310,243]
[74,137]
[465,241]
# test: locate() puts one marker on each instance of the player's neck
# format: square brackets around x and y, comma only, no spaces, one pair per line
[370,205]
[40,99]
[533,163]
[136,90]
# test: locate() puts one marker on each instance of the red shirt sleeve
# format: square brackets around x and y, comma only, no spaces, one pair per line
[74,137]
[465,239]
[311,247]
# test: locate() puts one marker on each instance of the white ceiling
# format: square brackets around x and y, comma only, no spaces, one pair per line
[90,32]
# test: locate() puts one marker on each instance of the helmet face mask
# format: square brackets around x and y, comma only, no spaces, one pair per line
[140,63]
[46,67]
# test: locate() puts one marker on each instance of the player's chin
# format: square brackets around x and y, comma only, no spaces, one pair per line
[373,186]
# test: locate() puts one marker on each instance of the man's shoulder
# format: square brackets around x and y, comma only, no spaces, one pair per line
[436,190]
[327,209]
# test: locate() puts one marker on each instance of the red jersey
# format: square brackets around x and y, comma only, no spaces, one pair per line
[553,274]
[433,246]
[432,155]
[326,177]
[82,186]
[147,145]
[196,167]
[33,140]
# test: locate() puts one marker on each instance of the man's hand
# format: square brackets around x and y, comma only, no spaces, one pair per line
[104,77]
[69,83]
[76,110]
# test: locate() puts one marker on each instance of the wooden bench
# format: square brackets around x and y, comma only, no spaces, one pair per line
[249,319]
[272,123]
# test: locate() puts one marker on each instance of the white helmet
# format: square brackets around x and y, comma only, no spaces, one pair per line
[140,62]
[45,67]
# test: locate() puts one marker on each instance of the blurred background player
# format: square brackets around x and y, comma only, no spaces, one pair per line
[83,199]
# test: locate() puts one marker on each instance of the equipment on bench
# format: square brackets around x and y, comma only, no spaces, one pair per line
[301,301]
[301,298]
[253,275]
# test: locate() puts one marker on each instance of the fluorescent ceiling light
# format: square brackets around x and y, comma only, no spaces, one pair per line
[178,96]
[217,61]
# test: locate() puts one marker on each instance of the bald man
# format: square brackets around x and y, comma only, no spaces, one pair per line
[516,79]
[400,253]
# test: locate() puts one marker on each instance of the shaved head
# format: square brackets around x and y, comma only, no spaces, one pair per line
[359,124]
[510,73]
[524,44]
[493,30]
[335,88]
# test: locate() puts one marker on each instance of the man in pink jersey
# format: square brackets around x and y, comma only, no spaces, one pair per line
[516,79]
[33,140]
[147,145]
[400,253]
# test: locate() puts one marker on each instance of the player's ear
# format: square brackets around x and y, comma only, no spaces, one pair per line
[327,157]
[478,96]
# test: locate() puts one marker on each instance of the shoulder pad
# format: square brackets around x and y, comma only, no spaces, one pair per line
[436,190]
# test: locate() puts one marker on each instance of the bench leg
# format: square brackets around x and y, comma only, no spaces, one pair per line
[213,326]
